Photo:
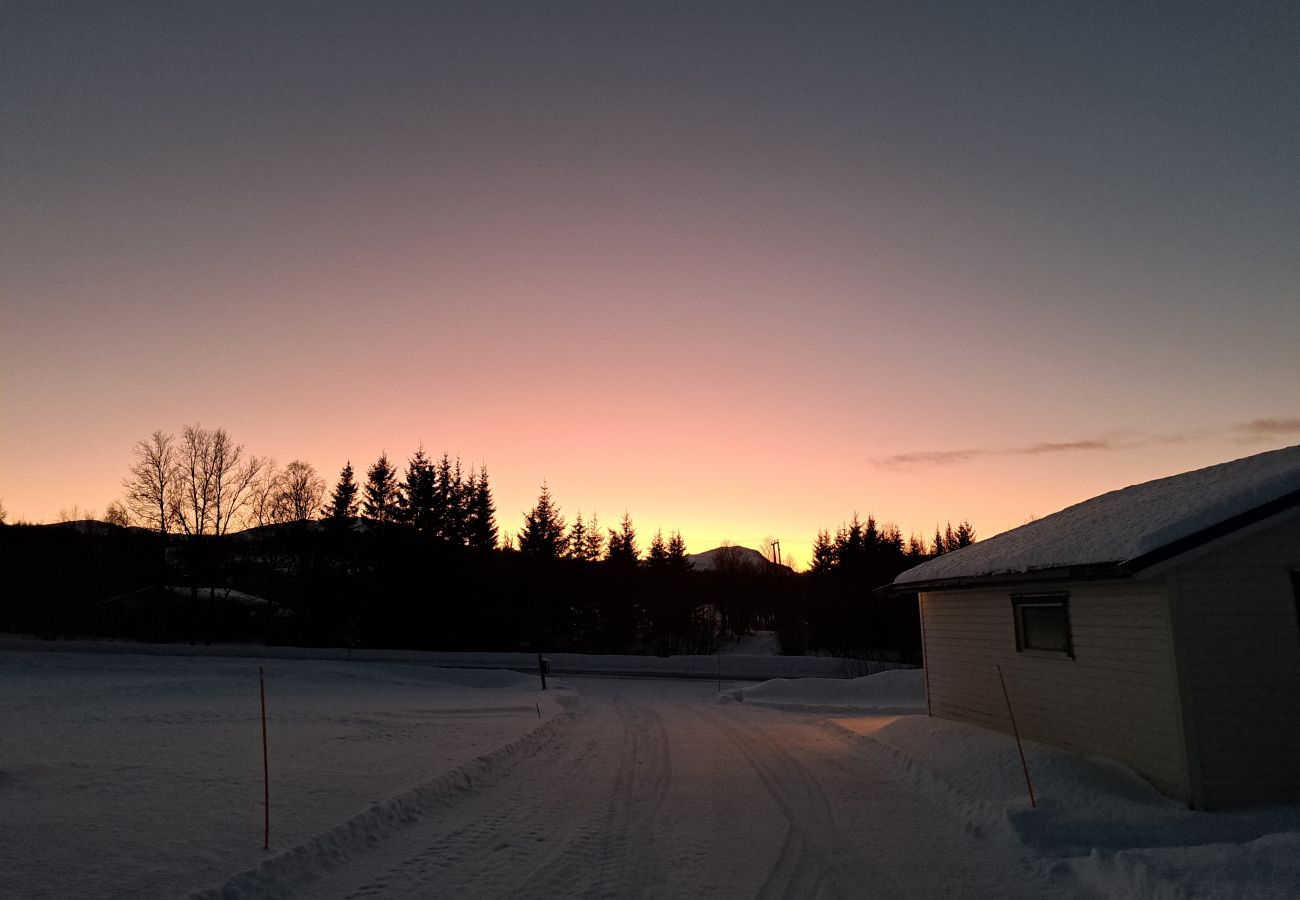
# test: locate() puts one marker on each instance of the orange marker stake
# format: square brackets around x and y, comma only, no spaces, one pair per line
[266,774]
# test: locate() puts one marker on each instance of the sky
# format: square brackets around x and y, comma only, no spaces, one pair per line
[738,269]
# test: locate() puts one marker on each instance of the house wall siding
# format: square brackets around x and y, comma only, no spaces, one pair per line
[1235,621]
[1116,698]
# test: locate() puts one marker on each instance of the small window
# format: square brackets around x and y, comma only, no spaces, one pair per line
[1043,623]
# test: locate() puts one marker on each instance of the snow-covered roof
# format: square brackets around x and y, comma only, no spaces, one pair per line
[1132,527]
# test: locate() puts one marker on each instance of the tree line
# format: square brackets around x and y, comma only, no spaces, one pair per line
[857,544]
[238,547]
[841,604]
[545,534]
[201,482]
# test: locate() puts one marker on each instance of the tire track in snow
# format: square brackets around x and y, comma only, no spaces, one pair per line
[616,855]
[299,867]
[815,860]
[524,837]
[516,827]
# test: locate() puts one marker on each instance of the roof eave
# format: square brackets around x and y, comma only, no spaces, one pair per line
[1091,572]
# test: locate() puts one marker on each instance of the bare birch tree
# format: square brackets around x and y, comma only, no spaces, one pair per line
[216,481]
[116,514]
[152,482]
[192,501]
[291,494]
[301,491]
[263,496]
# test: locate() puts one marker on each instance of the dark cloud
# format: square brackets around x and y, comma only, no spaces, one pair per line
[1116,440]
[1257,429]
[927,458]
[1059,447]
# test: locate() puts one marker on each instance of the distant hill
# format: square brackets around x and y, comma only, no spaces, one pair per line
[94,527]
[734,559]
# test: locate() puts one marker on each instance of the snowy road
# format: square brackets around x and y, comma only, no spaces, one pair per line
[139,775]
[651,789]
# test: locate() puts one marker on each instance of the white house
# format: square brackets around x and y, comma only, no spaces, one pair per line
[1158,624]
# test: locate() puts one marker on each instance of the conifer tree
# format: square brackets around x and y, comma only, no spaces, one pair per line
[890,539]
[823,554]
[851,543]
[916,546]
[939,546]
[575,543]
[870,534]
[677,552]
[481,514]
[543,532]
[657,556]
[965,534]
[456,491]
[416,503]
[594,542]
[382,492]
[444,499]
[585,540]
[622,543]
[343,502]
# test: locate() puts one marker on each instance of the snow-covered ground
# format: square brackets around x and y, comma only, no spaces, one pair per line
[128,775]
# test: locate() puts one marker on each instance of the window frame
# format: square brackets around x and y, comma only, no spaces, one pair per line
[1053,600]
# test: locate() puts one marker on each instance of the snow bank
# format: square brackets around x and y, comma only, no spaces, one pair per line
[899,692]
[1106,823]
[141,776]
[1264,869]
[1103,822]
[304,863]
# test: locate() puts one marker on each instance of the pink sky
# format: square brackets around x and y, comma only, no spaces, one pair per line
[715,269]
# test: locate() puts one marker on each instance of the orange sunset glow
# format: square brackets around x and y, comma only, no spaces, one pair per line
[738,270]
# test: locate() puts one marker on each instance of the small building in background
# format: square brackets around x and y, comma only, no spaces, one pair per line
[1158,625]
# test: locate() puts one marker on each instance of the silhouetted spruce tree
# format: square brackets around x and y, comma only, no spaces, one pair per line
[481,516]
[657,556]
[949,540]
[444,500]
[622,543]
[382,497]
[677,553]
[851,545]
[543,533]
[916,546]
[823,554]
[594,542]
[457,493]
[870,534]
[416,503]
[575,542]
[889,540]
